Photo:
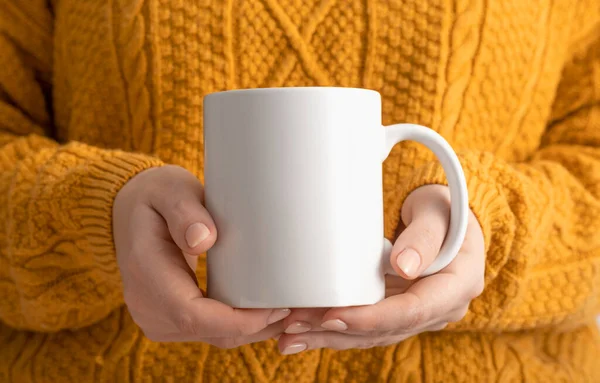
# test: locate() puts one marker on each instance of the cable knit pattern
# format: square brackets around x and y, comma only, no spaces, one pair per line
[130,45]
[93,92]
[464,43]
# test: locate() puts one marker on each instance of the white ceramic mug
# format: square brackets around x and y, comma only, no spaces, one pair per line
[293,180]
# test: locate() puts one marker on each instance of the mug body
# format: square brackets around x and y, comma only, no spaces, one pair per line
[294,183]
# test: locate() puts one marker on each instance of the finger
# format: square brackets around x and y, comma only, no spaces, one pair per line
[207,318]
[304,319]
[267,333]
[261,336]
[293,344]
[179,202]
[426,212]
[428,300]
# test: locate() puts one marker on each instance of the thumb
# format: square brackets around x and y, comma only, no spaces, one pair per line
[179,202]
[426,214]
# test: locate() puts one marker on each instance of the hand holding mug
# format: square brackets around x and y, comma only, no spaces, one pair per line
[159,226]
[412,305]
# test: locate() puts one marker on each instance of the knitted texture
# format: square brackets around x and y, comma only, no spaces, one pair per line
[93,92]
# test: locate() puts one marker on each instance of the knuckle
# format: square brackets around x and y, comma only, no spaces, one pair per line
[458,315]
[173,175]
[428,242]
[478,289]
[428,236]
[180,207]
[174,169]
[372,324]
[245,327]
[186,324]
[417,317]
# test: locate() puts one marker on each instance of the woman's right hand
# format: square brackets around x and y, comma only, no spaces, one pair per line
[159,221]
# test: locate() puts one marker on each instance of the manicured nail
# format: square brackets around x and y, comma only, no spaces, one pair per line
[297,328]
[409,262]
[334,325]
[294,348]
[278,315]
[196,233]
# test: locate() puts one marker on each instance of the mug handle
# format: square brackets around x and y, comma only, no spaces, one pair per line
[459,201]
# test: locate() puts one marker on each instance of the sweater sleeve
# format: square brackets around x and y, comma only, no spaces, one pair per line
[541,217]
[57,260]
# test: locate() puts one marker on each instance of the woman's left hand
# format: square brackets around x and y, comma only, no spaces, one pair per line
[413,305]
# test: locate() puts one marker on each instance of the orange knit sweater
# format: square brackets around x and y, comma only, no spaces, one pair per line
[94,91]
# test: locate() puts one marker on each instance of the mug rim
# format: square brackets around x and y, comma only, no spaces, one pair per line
[290,89]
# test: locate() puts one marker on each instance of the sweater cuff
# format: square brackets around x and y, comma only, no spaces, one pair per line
[100,181]
[105,179]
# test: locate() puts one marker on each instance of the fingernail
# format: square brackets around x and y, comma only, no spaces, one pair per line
[294,348]
[276,337]
[297,328]
[334,325]
[409,262]
[196,233]
[278,315]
